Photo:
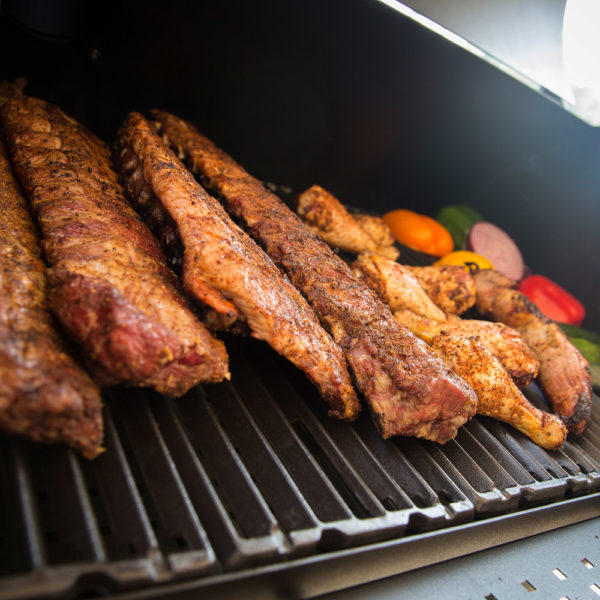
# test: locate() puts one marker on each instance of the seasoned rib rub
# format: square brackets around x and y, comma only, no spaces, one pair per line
[409,390]
[43,393]
[108,282]
[220,257]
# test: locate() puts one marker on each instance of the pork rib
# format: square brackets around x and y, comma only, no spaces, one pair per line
[108,282]
[409,390]
[44,394]
[219,256]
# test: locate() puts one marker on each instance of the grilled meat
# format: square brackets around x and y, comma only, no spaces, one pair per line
[44,394]
[378,229]
[108,282]
[219,256]
[396,285]
[409,390]
[497,395]
[502,341]
[564,373]
[451,287]
[328,218]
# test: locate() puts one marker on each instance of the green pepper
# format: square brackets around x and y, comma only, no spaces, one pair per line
[588,343]
[578,332]
[458,220]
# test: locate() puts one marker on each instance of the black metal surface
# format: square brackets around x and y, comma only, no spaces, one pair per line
[250,474]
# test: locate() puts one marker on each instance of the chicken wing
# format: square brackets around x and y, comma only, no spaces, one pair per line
[451,287]
[502,341]
[564,373]
[396,285]
[328,218]
[377,228]
[497,395]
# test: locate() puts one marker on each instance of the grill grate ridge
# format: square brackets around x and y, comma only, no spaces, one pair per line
[248,473]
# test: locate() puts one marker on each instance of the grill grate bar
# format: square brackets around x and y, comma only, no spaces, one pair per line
[130,529]
[252,473]
[267,471]
[29,537]
[172,516]
[312,482]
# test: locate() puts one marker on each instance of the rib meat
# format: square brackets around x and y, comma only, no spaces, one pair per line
[108,282]
[44,394]
[408,388]
[221,258]
[564,373]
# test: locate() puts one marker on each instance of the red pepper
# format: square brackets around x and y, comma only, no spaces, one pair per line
[552,300]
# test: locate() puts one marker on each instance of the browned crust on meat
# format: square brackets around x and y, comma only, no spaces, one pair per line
[109,284]
[451,287]
[220,257]
[328,217]
[44,394]
[409,390]
[564,374]
[498,396]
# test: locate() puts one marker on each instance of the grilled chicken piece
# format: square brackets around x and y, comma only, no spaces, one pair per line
[564,373]
[497,395]
[108,281]
[502,341]
[378,229]
[451,287]
[219,256]
[396,285]
[328,218]
[409,390]
[44,394]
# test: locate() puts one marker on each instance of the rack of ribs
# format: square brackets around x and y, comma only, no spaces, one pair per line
[108,281]
[409,390]
[564,373]
[222,266]
[44,394]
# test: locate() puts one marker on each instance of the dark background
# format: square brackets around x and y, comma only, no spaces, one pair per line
[348,94]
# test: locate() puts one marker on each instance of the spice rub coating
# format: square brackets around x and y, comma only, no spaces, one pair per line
[44,394]
[108,281]
[222,265]
[564,374]
[409,390]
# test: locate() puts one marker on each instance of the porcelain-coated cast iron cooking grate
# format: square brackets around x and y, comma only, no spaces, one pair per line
[248,473]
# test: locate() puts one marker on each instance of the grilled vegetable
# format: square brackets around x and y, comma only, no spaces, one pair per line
[554,301]
[458,219]
[465,258]
[588,343]
[498,247]
[419,232]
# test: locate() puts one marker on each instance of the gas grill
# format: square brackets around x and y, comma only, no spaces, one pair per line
[247,487]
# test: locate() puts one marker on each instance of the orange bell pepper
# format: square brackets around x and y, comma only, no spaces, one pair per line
[419,232]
